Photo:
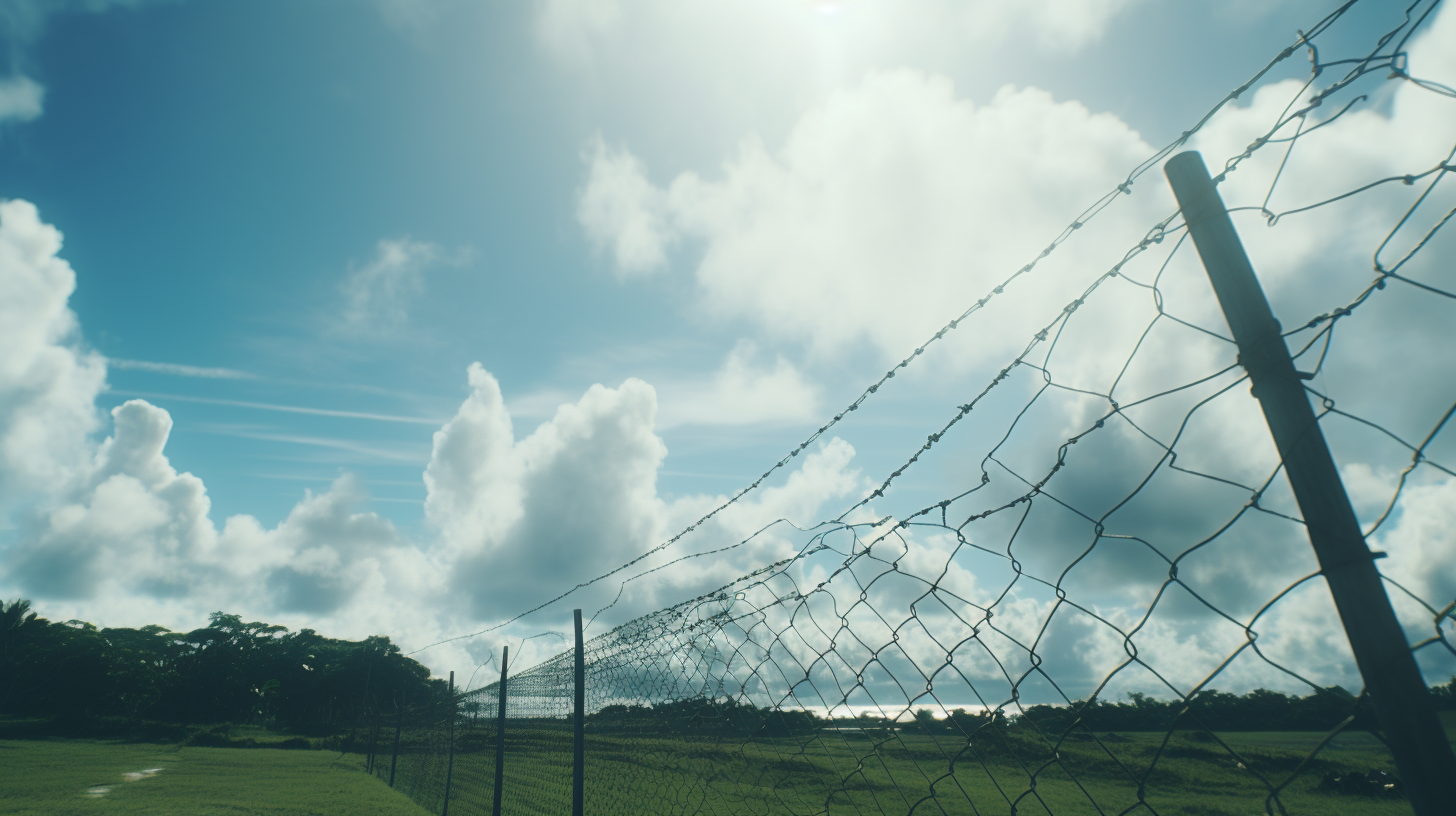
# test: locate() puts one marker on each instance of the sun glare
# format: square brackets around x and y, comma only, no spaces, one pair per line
[827,6]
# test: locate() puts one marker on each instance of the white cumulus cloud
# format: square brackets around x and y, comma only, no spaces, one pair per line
[584,34]
[525,518]
[888,191]
[111,530]
[895,204]
[48,381]
[133,525]
[623,212]
[743,391]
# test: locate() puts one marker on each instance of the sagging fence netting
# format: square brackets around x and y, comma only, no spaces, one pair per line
[1112,538]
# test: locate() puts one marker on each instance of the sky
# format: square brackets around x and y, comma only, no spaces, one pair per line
[406,317]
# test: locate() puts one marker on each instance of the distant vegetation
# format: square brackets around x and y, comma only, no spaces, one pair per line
[1259,710]
[232,671]
[228,671]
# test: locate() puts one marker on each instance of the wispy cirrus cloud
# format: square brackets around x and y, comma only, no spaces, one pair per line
[21,99]
[377,295]
[364,451]
[291,409]
[751,386]
[180,370]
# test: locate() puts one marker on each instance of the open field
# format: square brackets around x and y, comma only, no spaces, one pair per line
[67,778]
[1192,775]
[1192,778]
[630,774]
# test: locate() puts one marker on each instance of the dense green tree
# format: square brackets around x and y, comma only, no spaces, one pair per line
[1445,696]
[21,639]
[228,671]
[233,670]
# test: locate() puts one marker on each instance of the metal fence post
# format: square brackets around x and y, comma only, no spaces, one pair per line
[578,770]
[373,741]
[1403,706]
[398,724]
[450,762]
[500,735]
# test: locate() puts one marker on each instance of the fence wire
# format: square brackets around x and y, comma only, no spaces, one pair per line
[929,662]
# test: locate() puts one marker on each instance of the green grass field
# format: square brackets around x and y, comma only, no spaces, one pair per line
[63,777]
[848,773]
[1191,778]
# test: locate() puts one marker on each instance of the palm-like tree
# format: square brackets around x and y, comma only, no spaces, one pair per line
[18,623]
[17,620]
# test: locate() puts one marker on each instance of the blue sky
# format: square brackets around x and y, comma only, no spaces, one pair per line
[296,227]
[228,164]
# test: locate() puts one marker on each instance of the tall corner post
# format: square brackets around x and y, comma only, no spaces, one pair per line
[500,734]
[1403,706]
[450,762]
[578,775]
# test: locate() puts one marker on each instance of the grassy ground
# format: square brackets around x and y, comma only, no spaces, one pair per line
[1189,778]
[65,778]
[1190,775]
[904,773]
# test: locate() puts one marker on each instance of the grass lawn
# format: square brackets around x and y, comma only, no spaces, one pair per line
[913,774]
[53,777]
[1192,775]
[631,774]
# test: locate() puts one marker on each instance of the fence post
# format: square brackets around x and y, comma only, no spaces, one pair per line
[578,773]
[1403,706]
[500,734]
[398,724]
[450,763]
[373,741]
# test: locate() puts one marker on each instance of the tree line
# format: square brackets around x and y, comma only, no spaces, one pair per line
[1258,710]
[704,716]
[229,671]
[1210,709]
[232,671]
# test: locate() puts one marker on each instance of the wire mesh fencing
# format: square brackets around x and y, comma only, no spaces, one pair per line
[1047,634]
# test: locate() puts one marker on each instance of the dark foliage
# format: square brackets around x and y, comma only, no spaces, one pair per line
[1212,710]
[80,678]
[227,671]
[1209,710]
[703,717]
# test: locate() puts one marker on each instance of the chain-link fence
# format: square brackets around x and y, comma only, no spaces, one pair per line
[1047,634]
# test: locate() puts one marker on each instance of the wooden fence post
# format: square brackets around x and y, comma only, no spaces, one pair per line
[1403,706]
